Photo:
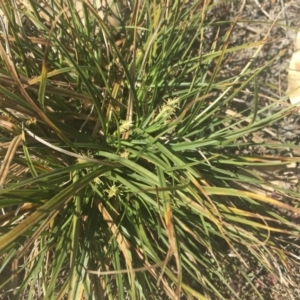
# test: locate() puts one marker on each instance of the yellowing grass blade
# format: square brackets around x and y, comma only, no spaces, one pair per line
[8,157]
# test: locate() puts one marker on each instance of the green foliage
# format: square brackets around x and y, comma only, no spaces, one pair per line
[119,159]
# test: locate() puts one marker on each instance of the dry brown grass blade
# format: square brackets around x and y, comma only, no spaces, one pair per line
[262,198]
[167,222]
[9,126]
[218,221]
[122,242]
[282,176]
[24,209]
[12,70]
[57,87]
[148,267]
[27,246]
[8,158]
[124,271]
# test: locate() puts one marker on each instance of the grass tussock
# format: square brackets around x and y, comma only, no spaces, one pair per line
[120,176]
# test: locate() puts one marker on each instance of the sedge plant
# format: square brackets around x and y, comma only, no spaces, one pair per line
[119,176]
